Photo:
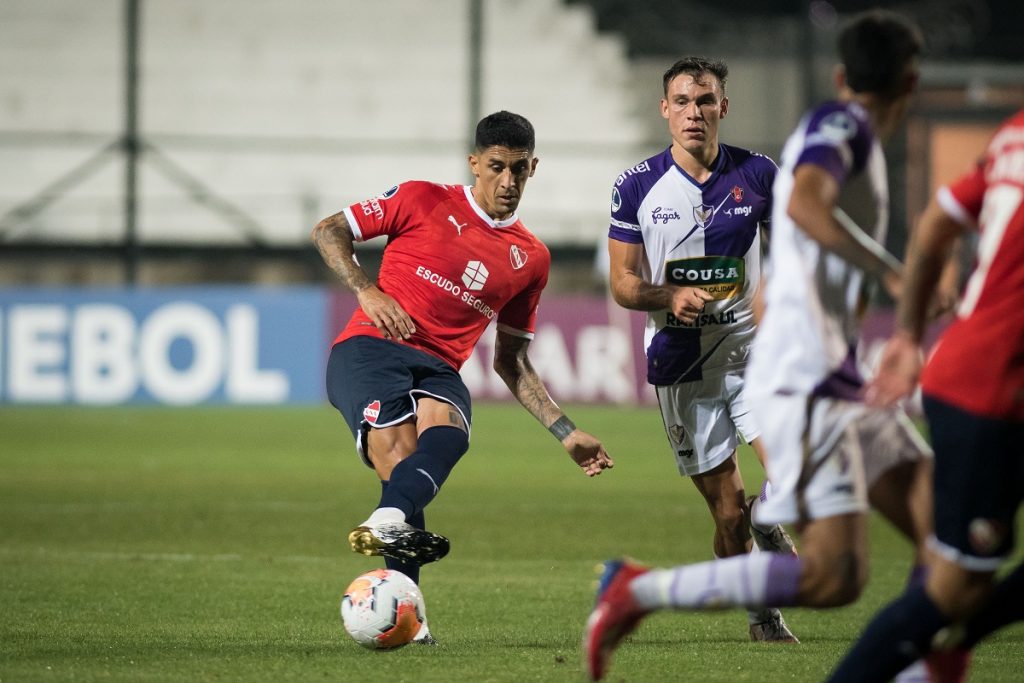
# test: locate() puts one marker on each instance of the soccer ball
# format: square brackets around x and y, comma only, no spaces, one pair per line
[382,609]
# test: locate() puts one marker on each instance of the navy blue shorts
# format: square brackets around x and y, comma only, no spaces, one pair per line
[375,382]
[979,484]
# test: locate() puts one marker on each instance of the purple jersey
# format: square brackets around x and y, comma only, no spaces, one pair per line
[699,235]
[814,298]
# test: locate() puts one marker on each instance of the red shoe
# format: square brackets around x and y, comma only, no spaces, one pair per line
[948,666]
[615,615]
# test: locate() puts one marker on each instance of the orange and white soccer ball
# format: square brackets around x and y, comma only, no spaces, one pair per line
[382,609]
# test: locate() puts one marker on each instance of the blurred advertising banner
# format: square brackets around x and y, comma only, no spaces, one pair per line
[269,345]
[175,346]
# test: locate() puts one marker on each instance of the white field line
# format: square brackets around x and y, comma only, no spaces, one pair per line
[115,556]
[273,505]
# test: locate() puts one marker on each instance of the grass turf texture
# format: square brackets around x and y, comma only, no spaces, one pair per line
[209,544]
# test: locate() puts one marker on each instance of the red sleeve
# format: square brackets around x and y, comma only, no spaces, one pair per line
[962,199]
[387,214]
[519,315]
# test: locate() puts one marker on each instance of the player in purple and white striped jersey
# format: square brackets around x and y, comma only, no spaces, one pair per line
[828,455]
[685,246]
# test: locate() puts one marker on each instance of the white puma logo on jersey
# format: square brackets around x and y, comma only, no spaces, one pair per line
[456,224]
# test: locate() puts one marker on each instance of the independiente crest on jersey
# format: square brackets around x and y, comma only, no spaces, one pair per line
[517,256]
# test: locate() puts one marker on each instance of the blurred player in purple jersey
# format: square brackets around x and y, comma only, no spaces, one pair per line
[828,455]
[685,246]
[973,389]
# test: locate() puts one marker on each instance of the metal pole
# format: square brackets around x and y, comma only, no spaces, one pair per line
[807,53]
[476,41]
[130,139]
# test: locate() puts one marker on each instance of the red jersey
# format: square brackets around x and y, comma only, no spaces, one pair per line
[450,266]
[978,364]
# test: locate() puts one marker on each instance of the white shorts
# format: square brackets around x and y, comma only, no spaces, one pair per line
[825,454]
[704,421]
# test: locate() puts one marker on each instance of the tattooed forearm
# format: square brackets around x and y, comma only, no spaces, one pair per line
[514,367]
[333,239]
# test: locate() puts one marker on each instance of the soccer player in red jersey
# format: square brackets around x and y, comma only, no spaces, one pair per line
[973,389]
[457,257]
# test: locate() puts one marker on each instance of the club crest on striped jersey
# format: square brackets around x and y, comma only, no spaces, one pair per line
[517,256]
[372,411]
[703,215]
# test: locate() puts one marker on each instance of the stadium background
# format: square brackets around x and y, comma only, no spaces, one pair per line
[161,165]
[151,143]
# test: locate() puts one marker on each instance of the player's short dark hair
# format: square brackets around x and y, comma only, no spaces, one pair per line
[697,67]
[506,129]
[876,47]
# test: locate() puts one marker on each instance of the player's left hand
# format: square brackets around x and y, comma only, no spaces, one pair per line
[587,452]
[898,371]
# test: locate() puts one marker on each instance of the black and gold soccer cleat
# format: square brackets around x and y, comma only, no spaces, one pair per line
[400,541]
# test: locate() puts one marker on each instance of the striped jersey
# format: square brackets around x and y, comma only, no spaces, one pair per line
[700,235]
[814,300]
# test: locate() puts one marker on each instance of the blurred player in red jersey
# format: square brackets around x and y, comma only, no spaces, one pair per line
[973,388]
[457,257]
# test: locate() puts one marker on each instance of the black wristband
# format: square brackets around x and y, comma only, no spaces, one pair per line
[562,427]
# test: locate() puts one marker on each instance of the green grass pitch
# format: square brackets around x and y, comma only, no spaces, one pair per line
[149,544]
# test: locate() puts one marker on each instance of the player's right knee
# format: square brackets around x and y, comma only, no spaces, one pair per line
[391,443]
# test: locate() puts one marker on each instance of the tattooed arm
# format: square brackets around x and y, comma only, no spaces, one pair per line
[512,364]
[333,239]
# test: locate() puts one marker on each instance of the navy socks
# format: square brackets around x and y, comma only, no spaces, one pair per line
[417,479]
[1004,606]
[418,521]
